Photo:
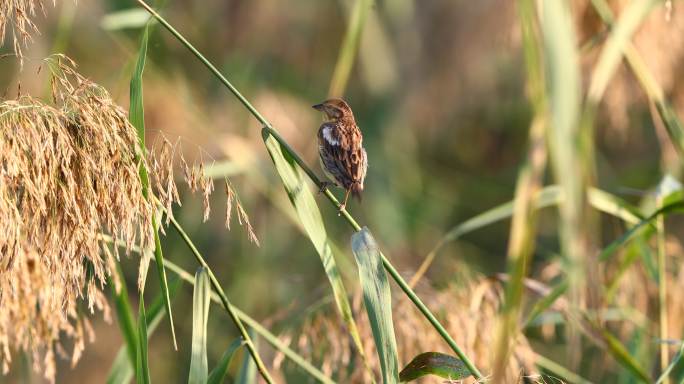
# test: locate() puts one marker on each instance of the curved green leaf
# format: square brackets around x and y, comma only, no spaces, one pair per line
[122,371]
[434,363]
[310,216]
[218,374]
[124,315]
[621,354]
[137,119]
[378,301]
[142,371]
[200,315]
[142,367]
[676,206]
[247,373]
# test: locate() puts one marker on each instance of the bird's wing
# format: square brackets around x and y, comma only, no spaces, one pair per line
[342,154]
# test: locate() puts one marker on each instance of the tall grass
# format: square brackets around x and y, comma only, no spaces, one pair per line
[586,292]
[267,131]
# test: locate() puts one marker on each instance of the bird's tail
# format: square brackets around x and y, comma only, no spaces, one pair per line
[356,190]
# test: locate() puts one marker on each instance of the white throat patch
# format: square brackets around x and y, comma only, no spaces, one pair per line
[328,136]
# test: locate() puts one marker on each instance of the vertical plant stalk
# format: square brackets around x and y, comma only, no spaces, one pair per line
[142,361]
[224,300]
[350,45]
[124,314]
[343,212]
[137,118]
[570,152]
[617,45]
[258,328]
[250,322]
[662,291]
[524,220]
[648,83]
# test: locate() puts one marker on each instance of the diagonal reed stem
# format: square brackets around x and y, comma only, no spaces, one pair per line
[224,299]
[350,219]
[252,323]
[258,328]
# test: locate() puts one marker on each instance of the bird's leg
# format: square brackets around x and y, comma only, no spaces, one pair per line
[344,204]
[324,186]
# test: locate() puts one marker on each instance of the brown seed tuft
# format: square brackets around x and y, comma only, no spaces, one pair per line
[68,173]
[16,15]
[163,159]
[230,198]
[473,309]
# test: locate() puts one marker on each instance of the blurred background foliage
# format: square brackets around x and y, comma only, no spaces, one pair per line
[438,89]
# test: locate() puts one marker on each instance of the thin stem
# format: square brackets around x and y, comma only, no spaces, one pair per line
[662,292]
[206,62]
[258,328]
[670,367]
[224,300]
[558,369]
[352,222]
[530,178]
[350,46]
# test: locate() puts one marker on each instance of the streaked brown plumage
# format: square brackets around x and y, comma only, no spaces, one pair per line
[340,148]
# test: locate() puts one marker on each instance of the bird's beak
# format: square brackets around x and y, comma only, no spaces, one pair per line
[319,107]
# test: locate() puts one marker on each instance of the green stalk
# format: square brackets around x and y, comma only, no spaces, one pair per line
[559,370]
[350,46]
[258,328]
[662,292]
[647,80]
[524,219]
[350,220]
[224,300]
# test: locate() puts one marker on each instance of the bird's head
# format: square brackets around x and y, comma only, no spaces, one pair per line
[335,109]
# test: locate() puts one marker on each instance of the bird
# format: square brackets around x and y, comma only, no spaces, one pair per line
[340,148]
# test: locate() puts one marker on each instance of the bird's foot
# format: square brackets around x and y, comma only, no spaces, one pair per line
[340,209]
[324,186]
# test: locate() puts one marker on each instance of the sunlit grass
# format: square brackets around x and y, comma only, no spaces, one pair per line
[571,296]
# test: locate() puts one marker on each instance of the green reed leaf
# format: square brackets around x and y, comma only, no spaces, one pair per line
[310,216]
[434,363]
[378,301]
[218,374]
[200,316]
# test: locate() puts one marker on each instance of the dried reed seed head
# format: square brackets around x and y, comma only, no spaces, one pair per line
[474,310]
[163,159]
[230,198]
[68,172]
[15,15]
[162,176]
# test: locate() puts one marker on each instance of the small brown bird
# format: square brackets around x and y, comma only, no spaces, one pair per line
[340,148]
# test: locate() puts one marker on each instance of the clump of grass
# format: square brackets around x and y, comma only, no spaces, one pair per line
[68,172]
[16,15]
[470,315]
